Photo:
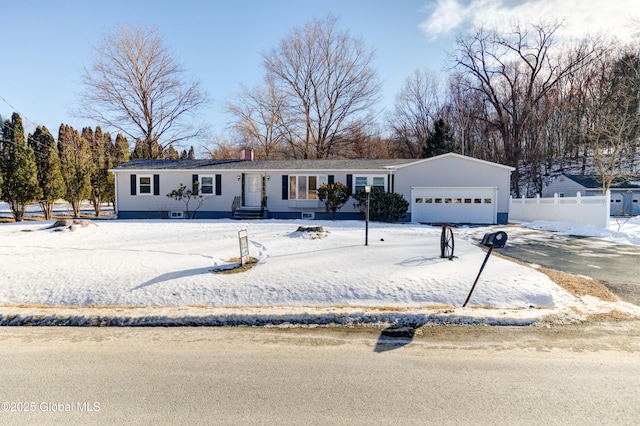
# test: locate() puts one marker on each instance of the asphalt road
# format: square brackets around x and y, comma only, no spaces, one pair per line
[437,375]
[617,266]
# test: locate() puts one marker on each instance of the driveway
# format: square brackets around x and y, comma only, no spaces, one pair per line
[616,265]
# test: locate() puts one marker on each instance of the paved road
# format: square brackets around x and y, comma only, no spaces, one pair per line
[437,375]
[616,265]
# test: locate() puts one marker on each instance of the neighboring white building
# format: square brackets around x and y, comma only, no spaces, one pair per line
[625,193]
[449,188]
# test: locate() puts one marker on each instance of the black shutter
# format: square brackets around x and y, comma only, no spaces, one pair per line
[331,179]
[393,184]
[218,184]
[156,184]
[350,183]
[285,187]
[134,184]
[194,184]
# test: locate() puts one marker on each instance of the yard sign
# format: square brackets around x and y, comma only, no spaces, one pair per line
[244,246]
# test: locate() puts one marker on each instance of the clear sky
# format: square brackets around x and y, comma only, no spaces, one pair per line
[46,43]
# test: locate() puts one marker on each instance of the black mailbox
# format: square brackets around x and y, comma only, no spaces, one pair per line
[495,239]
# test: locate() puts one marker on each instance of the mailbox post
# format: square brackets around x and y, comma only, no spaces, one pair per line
[493,240]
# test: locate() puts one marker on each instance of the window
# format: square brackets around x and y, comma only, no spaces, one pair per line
[418,200]
[378,182]
[361,182]
[374,181]
[428,200]
[303,187]
[144,184]
[206,185]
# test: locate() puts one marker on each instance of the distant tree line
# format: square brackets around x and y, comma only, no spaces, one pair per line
[520,97]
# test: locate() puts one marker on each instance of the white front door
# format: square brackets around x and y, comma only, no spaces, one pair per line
[252,190]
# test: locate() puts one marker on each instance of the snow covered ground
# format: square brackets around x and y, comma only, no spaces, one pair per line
[159,272]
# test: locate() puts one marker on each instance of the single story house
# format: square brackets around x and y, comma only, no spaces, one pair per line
[625,192]
[449,188]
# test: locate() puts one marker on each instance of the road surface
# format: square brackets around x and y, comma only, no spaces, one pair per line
[431,375]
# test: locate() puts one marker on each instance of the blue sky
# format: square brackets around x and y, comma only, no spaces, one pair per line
[219,42]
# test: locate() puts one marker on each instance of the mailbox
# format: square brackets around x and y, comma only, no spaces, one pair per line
[495,239]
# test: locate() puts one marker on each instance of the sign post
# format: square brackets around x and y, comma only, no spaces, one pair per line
[244,246]
[495,240]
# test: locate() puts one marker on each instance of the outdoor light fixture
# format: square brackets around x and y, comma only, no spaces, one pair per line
[238,177]
[268,177]
[367,190]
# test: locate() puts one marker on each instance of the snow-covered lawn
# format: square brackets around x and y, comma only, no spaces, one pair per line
[159,272]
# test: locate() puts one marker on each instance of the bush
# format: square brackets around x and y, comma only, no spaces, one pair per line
[383,206]
[334,195]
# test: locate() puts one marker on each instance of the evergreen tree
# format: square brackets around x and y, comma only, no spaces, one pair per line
[48,165]
[120,154]
[18,167]
[100,184]
[192,153]
[171,153]
[439,141]
[76,164]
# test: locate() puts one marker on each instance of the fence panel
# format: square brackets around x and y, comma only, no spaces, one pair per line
[581,210]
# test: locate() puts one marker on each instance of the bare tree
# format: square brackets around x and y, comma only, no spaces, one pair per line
[329,85]
[612,123]
[514,72]
[134,84]
[415,110]
[257,120]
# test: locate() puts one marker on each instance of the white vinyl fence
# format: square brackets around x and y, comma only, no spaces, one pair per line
[581,210]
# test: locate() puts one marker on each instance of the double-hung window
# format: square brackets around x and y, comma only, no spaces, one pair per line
[144,185]
[373,181]
[207,185]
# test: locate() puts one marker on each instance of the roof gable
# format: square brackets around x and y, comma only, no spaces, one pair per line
[455,156]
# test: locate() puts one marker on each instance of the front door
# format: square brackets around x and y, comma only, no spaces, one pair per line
[252,190]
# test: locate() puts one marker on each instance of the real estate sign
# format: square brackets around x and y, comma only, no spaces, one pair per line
[244,246]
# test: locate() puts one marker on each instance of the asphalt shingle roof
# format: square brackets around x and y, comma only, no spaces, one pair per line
[595,181]
[350,164]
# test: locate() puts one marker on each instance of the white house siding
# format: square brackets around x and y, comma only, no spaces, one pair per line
[452,170]
[170,180]
[449,170]
[564,187]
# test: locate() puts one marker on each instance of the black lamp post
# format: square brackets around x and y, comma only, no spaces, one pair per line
[367,190]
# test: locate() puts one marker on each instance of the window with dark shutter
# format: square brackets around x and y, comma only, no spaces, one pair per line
[285,187]
[195,184]
[218,184]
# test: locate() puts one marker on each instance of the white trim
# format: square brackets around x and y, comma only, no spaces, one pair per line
[454,155]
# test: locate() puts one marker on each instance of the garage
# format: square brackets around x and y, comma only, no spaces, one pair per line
[454,205]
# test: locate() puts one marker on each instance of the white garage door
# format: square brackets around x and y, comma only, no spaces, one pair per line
[454,205]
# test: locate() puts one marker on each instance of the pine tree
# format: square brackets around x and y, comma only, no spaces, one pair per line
[100,185]
[76,164]
[18,167]
[48,165]
[439,141]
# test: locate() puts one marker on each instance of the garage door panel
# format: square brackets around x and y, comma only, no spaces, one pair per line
[454,205]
